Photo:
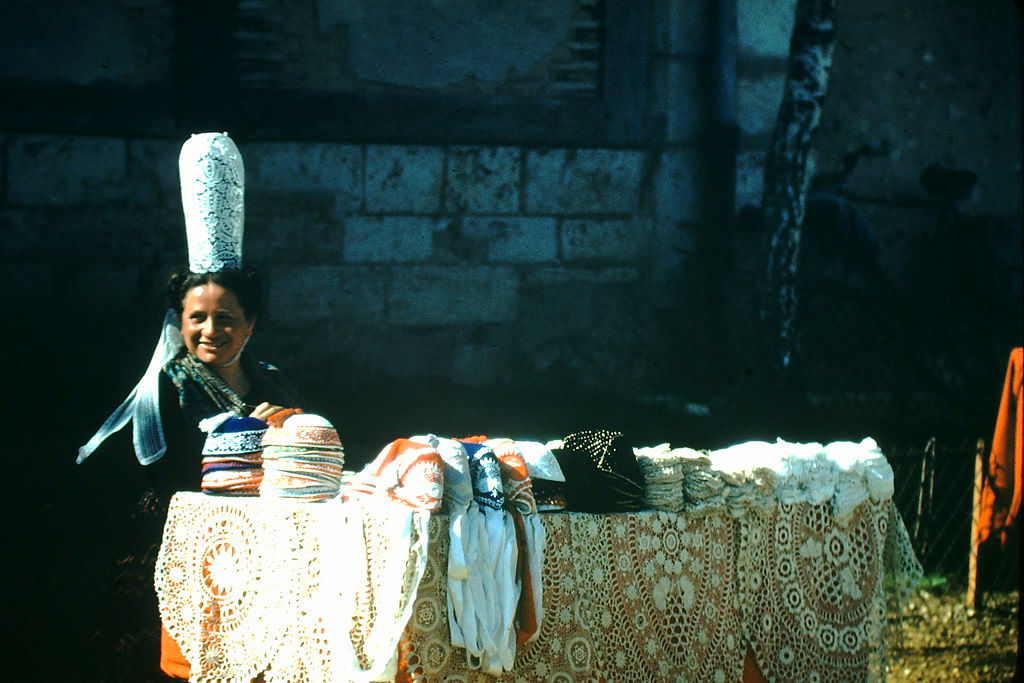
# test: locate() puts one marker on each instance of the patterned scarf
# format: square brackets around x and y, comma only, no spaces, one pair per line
[201,391]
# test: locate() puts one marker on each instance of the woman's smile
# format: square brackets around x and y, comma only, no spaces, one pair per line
[214,326]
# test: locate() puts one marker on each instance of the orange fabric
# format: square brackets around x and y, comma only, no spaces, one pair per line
[405,471]
[278,418]
[1002,483]
[172,661]
[526,615]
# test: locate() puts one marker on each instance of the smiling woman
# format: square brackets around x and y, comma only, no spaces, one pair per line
[199,369]
[214,325]
[218,313]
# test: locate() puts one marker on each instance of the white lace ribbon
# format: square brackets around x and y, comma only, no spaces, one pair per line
[142,406]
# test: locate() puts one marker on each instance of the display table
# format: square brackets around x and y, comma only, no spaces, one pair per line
[249,586]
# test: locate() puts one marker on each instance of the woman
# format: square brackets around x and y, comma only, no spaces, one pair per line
[199,369]
[212,373]
[217,313]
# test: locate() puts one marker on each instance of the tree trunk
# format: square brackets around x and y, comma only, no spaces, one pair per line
[786,175]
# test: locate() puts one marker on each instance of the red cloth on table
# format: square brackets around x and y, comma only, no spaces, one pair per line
[1001,484]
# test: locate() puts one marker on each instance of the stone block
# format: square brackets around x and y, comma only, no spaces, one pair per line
[153,168]
[483,180]
[586,332]
[749,178]
[546,277]
[758,102]
[444,44]
[442,295]
[96,43]
[604,241]
[678,185]
[414,354]
[53,170]
[404,178]
[765,27]
[515,240]
[583,181]
[389,239]
[333,169]
[283,227]
[106,234]
[308,295]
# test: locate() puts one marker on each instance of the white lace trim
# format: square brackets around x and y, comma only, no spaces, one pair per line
[142,406]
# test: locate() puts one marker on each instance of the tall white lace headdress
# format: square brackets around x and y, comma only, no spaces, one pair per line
[213,202]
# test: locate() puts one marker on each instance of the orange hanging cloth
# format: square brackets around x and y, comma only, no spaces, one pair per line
[1002,485]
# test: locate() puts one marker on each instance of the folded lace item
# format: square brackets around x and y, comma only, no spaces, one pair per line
[530,535]
[462,528]
[663,477]
[232,482]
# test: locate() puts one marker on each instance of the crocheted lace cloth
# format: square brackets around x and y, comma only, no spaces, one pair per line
[297,591]
[660,596]
[249,586]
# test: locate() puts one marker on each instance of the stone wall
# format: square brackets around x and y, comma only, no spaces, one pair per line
[594,251]
[461,264]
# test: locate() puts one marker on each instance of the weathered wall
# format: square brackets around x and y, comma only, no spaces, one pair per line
[491,261]
[455,265]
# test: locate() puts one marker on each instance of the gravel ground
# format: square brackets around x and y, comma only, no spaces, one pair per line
[943,640]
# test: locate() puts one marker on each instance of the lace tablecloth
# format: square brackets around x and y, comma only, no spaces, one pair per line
[250,586]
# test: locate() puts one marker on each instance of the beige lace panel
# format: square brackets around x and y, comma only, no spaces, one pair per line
[225,598]
[812,591]
[295,591]
[627,597]
[322,592]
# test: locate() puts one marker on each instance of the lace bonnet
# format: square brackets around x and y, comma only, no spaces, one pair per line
[213,202]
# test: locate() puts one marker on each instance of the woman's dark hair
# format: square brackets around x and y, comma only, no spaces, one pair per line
[245,283]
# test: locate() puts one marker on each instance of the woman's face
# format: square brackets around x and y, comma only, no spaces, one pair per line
[213,325]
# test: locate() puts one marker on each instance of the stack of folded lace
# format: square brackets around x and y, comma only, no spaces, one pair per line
[232,464]
[303,459]
[663,470]
[759,474]
[702,486]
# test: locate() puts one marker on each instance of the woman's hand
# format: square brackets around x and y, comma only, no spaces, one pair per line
[265,410]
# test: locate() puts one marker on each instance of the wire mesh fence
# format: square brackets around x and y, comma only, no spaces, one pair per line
[934,484]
